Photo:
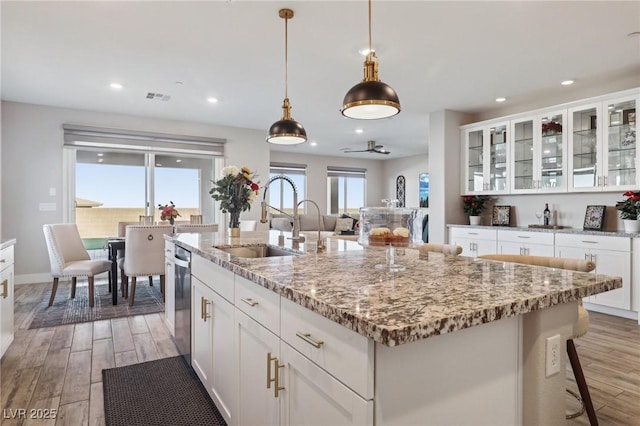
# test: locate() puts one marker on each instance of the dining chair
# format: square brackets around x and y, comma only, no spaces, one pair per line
[447,249]
[70,259]
[580,326]
[144,255]
[195,219]
[145,220]
[248,225]
[195,227]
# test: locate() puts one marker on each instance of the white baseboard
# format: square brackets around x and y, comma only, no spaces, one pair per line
[611,311]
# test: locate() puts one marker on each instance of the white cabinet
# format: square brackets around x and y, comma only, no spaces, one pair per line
[612,256]
[170,287]
[212,342]
[525,243]
[314,397]
[602,147]
[486,159]
[260,385]
[538,153]
[6,298]
[474,241]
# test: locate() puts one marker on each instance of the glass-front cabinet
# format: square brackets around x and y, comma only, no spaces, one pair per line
[602,154]
[538,150]
[486,159]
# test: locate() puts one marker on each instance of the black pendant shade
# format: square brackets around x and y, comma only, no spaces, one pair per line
[370,100]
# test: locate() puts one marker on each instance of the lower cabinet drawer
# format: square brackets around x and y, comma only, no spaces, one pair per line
[526,237]
[594,242]
[213,276]
[6,257]
[259,303]
[345,354]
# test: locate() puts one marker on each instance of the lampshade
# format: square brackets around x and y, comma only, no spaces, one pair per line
[286,131]
[370,99]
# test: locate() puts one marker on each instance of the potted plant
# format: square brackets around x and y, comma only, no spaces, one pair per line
[630,211]
[235,191]
[473,205]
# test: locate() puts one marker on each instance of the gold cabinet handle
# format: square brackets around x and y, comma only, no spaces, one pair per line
[307,338]
[249,301]
[5,289]
[277,386]
[269,379]
[203,309]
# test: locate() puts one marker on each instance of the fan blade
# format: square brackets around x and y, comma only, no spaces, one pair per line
[381,152]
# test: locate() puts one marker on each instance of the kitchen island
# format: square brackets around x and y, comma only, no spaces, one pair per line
[448,341]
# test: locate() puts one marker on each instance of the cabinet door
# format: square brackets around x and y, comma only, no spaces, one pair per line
[575,253]
[170,295]
[475,175]
[6,308]
[313,397]
[617,263]
[256,348]
[584,148]
[468,245]
[201,331]
[620,161]
[538,250]
[550,152]
[523,148]
[485,247]
[510,248]
[498,159]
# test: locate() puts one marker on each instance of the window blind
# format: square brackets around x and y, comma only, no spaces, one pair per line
[346,172]
[288,169]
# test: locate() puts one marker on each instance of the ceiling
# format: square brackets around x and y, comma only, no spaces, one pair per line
[437,55]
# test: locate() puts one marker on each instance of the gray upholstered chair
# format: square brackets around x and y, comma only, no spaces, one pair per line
[144,255]
[449,249]
[580,327]
[69,258]
[199,227]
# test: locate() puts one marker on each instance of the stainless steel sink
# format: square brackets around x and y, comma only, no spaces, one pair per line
[256,251]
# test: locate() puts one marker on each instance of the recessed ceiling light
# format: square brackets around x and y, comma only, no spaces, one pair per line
[567,82]
[313,143]
[158,165]
[212,100]
[359,131]
[100,160]
[116,86]
[100,154]
[501,99]
[178,161]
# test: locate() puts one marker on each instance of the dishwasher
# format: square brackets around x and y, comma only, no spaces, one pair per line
[183,302]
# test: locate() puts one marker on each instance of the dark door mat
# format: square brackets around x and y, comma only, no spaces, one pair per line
[162,392]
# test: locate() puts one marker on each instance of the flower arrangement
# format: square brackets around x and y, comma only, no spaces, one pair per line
[474,204]
[629,208]
[236,190]
[168,212]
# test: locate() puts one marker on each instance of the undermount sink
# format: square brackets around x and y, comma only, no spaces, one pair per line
[256,251]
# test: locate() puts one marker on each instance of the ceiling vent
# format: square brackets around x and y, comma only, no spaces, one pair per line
[158,96]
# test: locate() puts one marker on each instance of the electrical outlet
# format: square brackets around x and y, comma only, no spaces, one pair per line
[553,355]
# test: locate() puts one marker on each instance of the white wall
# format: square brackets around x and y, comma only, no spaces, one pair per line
[317,175]
[410,168]
[32,138]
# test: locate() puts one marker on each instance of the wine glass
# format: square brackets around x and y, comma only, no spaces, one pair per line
[539,216]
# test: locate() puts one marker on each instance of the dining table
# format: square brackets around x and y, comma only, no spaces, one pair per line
[114,245]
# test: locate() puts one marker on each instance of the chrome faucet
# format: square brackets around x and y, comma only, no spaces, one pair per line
[296,223]
[320,246]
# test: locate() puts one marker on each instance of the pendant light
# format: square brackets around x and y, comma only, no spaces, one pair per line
[286,131]
[371,99]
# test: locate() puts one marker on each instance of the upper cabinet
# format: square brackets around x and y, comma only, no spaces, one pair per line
[538,161]
[486,170]
[602,149]
[579,147]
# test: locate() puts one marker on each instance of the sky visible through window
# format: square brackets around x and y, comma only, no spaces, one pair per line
[120,186]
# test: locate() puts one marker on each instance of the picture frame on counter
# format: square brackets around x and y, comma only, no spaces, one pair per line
[594,218]
[501,216]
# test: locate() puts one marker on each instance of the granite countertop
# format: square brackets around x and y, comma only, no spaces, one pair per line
[432,296]
[551,230]
[7,242]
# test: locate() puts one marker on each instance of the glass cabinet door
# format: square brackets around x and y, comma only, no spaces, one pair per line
[551,152]
[475,165]
[584,148]
[498,158]
[620,125]
[523,152]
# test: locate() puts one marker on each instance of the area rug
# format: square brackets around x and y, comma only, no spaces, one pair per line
[64,310]
[162,392]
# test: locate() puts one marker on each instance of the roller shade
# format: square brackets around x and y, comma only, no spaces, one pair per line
[346,172]
[288,169]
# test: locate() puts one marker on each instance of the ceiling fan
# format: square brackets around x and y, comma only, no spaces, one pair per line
[371,147]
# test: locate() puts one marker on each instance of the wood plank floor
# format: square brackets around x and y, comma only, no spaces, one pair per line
[60,367]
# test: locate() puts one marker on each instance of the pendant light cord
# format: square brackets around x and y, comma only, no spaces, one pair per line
[370,48]
[286,57]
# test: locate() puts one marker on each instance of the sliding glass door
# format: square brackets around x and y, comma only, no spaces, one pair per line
[111,186]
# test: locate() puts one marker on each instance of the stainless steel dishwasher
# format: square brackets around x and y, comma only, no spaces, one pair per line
[183,302]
